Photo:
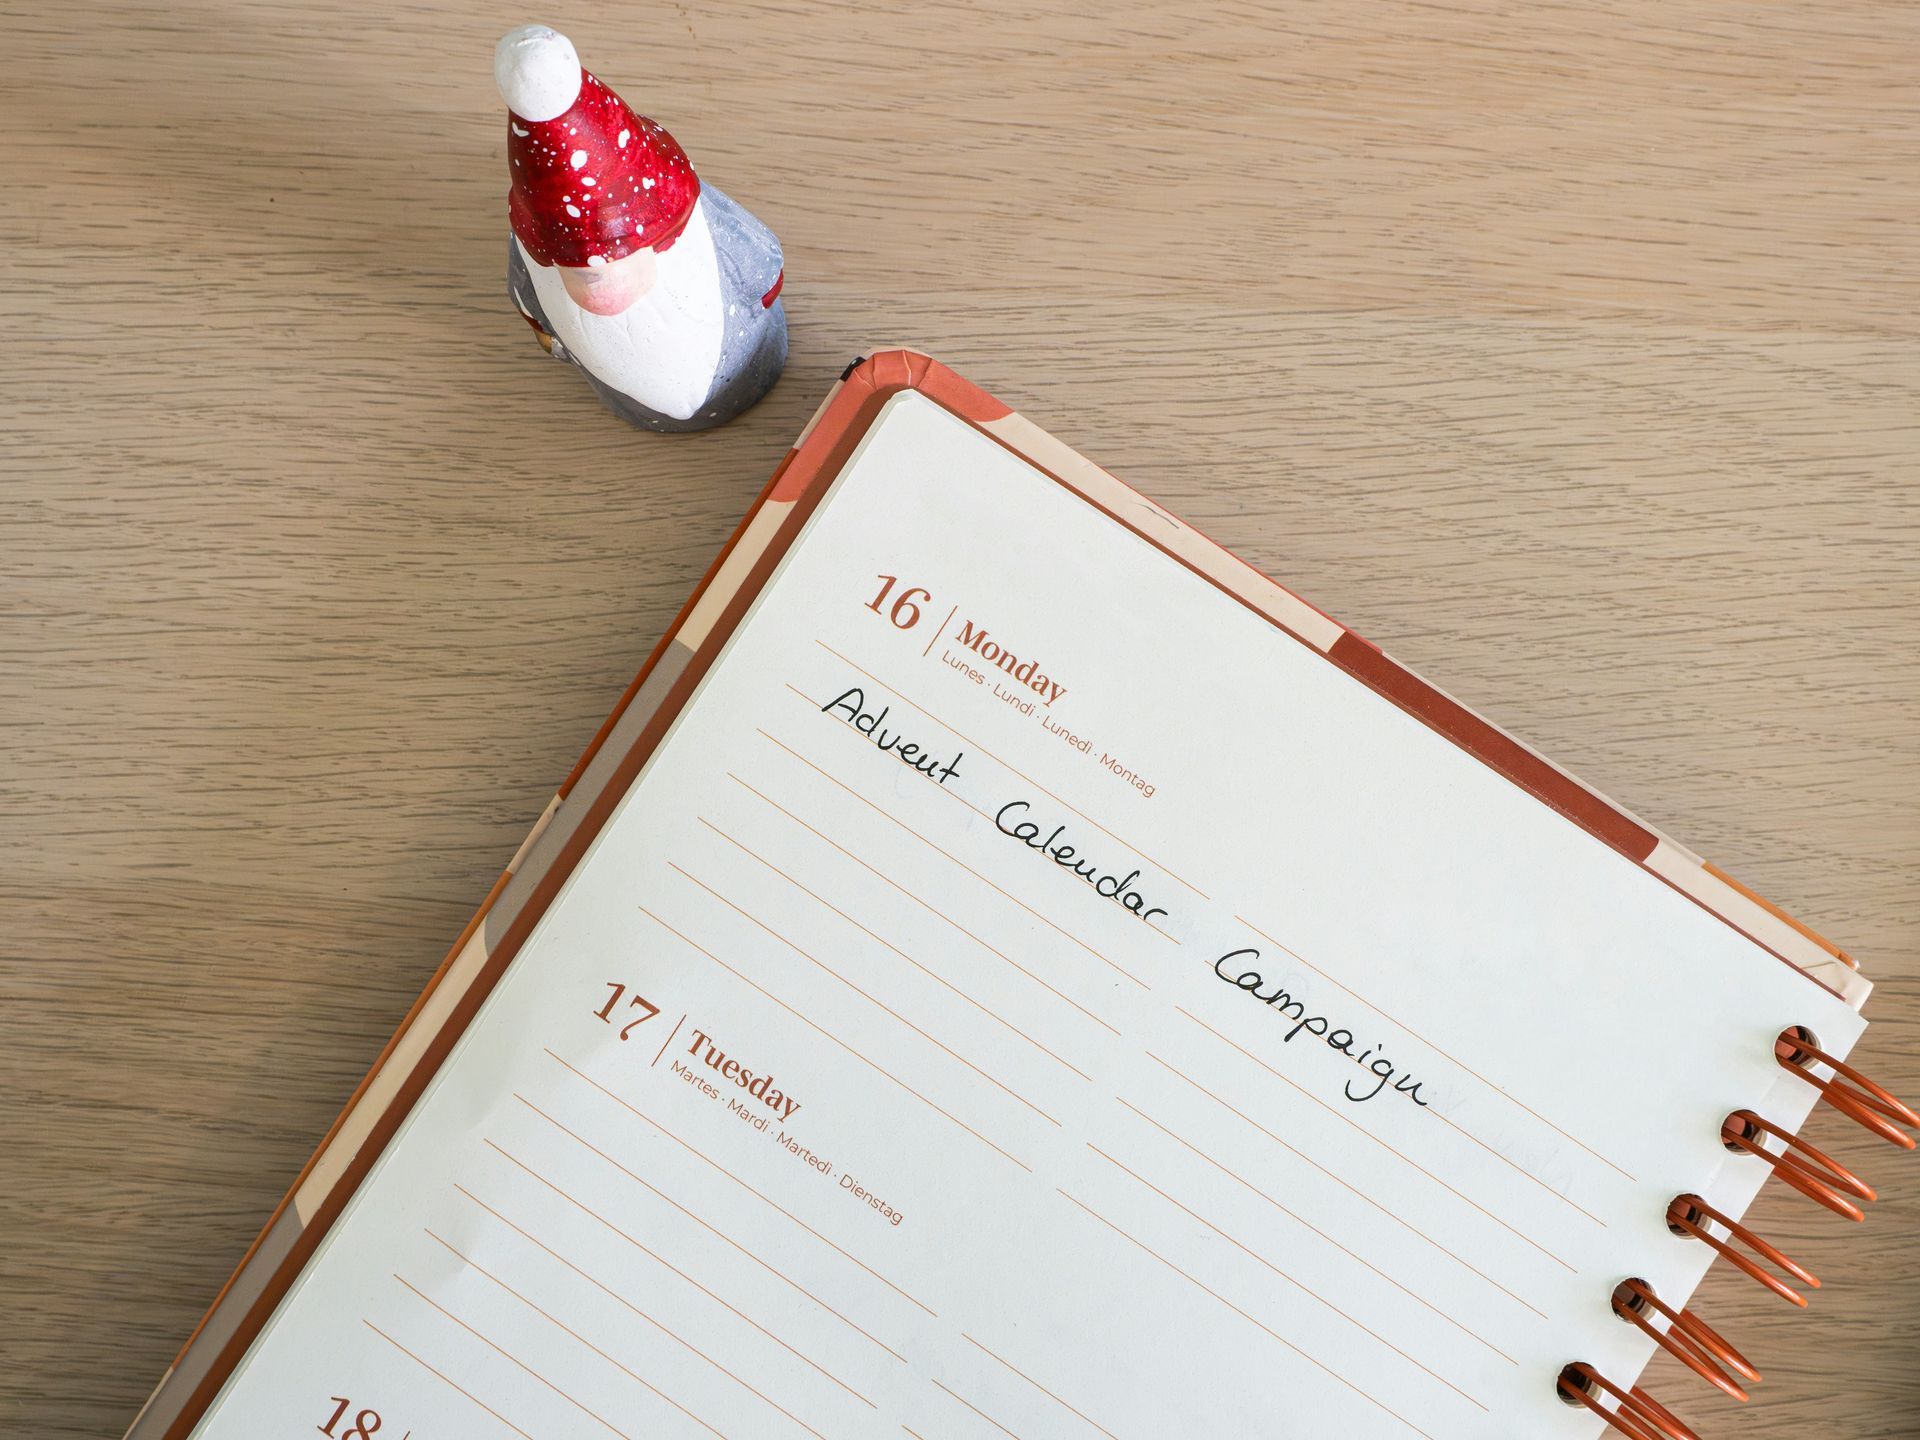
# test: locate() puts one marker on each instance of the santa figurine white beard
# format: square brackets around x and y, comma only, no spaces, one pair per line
[662,290]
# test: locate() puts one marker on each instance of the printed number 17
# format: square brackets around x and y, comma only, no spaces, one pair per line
[605,1012]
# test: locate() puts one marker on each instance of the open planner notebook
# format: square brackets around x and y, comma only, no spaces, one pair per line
[1008,969]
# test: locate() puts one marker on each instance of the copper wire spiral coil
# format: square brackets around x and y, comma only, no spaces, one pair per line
[1634,1413]
[1847,1090]
[1685,1216]
[1686,1337]
[1812,1172]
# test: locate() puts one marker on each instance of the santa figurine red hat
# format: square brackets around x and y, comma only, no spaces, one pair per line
[663,291]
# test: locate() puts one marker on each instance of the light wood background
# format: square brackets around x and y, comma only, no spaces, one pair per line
[1566,350]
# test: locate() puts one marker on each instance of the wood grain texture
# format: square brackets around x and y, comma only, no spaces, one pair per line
[1567,351]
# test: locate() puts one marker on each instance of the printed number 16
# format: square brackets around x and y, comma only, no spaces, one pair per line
[905,613]
[605,1012]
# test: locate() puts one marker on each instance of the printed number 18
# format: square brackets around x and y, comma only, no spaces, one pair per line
[363,1427]
[605,1012]
[905,613]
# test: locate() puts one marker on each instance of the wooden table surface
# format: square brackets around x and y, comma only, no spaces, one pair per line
[1567,351]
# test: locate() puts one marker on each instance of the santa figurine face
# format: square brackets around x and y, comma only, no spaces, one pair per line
[611,286]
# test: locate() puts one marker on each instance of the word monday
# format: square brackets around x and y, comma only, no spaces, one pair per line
[1027,672]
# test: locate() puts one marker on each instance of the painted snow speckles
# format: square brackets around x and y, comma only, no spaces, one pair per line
[681,343]
[636,187]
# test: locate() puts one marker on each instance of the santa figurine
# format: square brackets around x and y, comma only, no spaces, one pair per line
[662,290]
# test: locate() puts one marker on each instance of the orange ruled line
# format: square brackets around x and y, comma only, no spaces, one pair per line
[712,1229]
[1347,1186]
[1357,1126]
[993,1015]
[877,1069]
[1038,1386]
[1436,1050]
[978,1411]
[454,1385]
[886,814]
[1518,1168]
[508,1355]
[1244,1315]
[930,909]
[640,1114]
[821,964]
[662,1261]
[955,795]
[1022,774]
[633,1375]
[1308,1224]
[1292,1280]
[616,1296]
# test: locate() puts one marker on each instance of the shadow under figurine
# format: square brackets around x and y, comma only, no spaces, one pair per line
[663,291]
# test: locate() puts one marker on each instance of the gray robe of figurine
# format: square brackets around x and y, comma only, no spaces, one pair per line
[753,339]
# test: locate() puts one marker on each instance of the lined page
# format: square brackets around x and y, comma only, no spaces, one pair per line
[1029,995]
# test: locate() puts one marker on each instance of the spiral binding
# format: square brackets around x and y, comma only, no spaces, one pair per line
[1812,1172]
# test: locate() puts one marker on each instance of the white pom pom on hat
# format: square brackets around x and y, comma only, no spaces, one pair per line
[538,72]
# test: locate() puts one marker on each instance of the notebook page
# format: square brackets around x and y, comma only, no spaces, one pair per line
[1028,994]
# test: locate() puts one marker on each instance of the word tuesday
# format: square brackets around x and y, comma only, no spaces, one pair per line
[1107,886]
[760,1087]
[854,702]
[1383,1070]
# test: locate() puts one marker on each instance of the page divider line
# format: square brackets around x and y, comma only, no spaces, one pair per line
[1245,1316]
[828,969]
[661,1260]
[622,1300]
[876,1068]
[751,1190]
[930,908]
[977,1410]
[714,1230]
[1301,1220]
[1393,1020]
[1293,1280]
[454,1384]
[1288,1081]
[508,1355]
[1348,1186]
[611,1360]
[1038,1386]
[931,974]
